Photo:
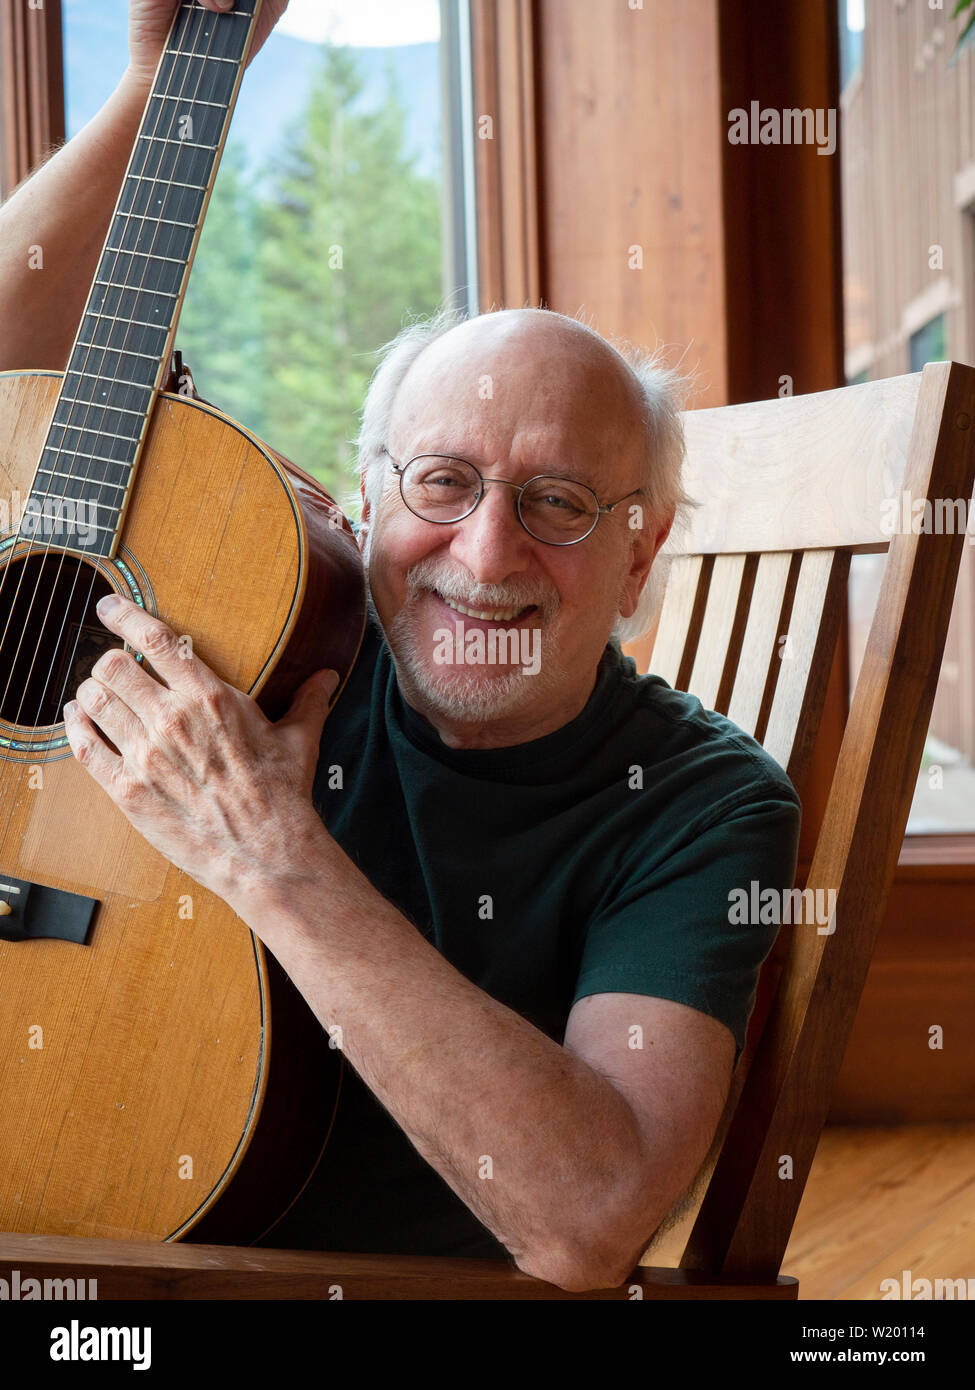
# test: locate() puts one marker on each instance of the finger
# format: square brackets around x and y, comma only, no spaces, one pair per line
[111,715]
[132,683]
[172,657]
[310,705]
[88,747]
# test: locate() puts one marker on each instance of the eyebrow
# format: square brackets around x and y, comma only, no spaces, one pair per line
[571,473]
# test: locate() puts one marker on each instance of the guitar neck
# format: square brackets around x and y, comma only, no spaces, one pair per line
[121,354]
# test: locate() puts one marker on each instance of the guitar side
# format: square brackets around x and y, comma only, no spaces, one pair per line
[135,1069]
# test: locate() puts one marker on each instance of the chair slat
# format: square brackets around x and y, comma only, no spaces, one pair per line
[677,631]
[807,647]
[720,638]
[759,664]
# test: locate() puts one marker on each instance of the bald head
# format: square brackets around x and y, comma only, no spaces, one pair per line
[520,371]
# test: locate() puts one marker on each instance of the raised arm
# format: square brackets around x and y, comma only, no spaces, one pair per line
[65,206]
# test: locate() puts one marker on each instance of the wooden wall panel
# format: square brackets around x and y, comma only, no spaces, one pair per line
[630,175]
[31,88]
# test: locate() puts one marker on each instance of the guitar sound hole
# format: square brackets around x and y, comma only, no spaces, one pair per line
[52,635]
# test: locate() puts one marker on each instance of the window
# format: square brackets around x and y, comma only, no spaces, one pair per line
[338,211]
[929,344]
[907,300]
[851,38]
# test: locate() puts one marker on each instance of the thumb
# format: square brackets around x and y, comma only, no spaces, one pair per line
[310,702]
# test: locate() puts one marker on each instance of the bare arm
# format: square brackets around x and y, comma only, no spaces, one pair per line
[571,1155]
[65,206]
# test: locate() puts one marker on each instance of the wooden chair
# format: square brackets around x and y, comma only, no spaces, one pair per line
[790,489]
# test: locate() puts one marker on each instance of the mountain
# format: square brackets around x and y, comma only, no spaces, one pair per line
[274,88]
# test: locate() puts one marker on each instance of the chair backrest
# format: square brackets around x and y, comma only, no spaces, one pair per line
[789,490]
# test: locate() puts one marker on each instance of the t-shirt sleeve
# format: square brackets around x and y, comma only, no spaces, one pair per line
[674,929]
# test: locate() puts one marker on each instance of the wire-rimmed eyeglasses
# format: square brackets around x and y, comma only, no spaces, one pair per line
[555,510]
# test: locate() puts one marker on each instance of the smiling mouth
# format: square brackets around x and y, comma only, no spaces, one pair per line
[503,615]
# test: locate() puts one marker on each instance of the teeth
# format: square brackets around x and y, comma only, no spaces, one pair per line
[498,615]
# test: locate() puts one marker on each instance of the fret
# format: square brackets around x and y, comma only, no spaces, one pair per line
[197,31]
[177,159]
[210,78]
[89,525]
[120,318]
[195,101]
[135,289]
[102,434]
[113,473]
[106,365]
[186,144]
[109,383]
[149,255]
[147,235]
[82,481]
[74,400]
[127,352]
[144,178]
[166,221]
[157,276]
[43,510]
[187,122]
[102,329]
[77,454]
[236,13]
[211,57]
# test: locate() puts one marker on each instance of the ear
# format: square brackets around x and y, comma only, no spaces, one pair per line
[646,546]
[363,530]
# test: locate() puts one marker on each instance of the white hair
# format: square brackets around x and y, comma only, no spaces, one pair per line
[663,391]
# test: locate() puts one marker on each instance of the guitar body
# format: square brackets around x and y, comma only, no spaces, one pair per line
[136,1063]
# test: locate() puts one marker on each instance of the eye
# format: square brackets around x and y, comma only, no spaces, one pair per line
[559,503]
[445,479]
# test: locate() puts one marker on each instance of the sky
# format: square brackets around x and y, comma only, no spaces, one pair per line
[370,23]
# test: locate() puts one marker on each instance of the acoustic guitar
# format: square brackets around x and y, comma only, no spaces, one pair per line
[158,1072]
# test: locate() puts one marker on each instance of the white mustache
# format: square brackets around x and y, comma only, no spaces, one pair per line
[490,598]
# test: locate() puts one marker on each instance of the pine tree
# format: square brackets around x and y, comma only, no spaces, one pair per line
[350,243]
[220,332]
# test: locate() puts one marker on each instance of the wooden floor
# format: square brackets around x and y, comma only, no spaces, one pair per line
[879,1202]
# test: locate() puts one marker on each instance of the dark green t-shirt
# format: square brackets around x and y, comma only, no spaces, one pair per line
[597,859]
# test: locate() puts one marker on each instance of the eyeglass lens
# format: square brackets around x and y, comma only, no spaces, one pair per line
[445,489]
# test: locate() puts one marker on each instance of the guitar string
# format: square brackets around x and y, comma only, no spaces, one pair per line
[25,764]
[137,291]
[123,288]
[187,8]
[179,51]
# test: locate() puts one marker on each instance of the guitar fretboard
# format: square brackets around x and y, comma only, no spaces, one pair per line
[121,353]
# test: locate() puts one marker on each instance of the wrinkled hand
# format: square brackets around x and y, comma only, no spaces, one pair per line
[200,771]
[149,22]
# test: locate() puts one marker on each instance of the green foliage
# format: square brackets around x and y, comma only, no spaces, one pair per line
[967,35]
[303,274]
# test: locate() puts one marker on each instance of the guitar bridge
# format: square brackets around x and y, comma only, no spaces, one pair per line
[34,912]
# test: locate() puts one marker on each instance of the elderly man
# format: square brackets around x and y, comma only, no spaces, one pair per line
[516,904]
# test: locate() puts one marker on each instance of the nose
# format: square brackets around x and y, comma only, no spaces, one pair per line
[492,543]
